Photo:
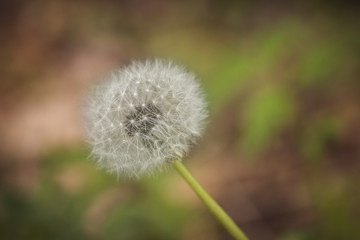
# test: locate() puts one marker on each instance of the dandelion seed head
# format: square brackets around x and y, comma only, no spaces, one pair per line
[144,116]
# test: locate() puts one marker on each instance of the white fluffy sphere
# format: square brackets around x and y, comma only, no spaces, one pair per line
[143,116]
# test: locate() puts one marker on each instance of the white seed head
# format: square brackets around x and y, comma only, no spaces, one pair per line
[144,116]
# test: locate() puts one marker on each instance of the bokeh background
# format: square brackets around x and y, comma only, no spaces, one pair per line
[281,152]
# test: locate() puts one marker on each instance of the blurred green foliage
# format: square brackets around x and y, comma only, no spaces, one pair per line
[265,115]
[318,136]
[56,211]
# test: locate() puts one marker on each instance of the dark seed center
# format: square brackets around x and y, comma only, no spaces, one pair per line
[142,119]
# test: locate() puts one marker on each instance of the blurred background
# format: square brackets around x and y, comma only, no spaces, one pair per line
[281,152]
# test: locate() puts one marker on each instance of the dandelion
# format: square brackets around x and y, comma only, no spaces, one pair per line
[145,117]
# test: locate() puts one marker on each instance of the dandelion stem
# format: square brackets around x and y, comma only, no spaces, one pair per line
[214,207]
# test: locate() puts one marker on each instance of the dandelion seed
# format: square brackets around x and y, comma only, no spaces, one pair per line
[149,128]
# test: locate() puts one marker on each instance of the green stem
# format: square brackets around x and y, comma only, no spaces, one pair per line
[219,213]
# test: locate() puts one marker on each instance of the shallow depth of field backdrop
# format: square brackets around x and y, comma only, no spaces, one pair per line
[282,150]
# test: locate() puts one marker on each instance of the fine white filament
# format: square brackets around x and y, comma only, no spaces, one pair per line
[143,116]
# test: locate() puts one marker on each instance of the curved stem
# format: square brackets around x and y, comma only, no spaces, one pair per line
[214,207]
